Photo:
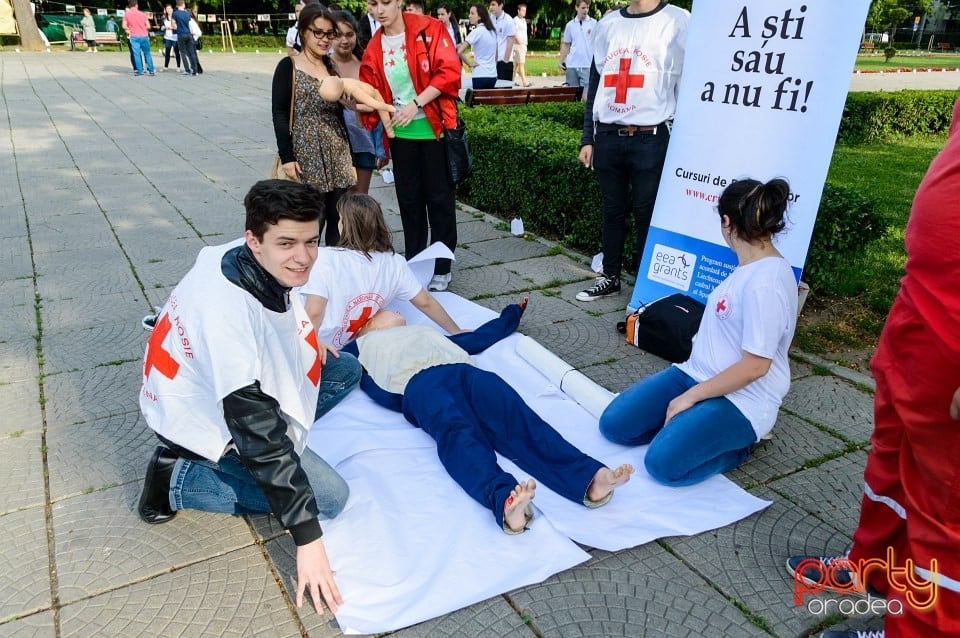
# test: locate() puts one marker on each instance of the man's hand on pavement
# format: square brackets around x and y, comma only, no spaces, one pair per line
[314,575]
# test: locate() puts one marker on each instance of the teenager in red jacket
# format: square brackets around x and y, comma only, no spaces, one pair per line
[413,62]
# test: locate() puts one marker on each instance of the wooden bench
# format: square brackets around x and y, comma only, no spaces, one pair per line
[867,46]
[944,46]
[102,37]
[521,95]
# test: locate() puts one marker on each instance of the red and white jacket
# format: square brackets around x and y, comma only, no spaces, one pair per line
[433,62]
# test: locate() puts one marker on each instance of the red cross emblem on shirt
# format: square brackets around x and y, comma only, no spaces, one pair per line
[721,306]
[157,357]
[356,324]
[314,372]
[623,80]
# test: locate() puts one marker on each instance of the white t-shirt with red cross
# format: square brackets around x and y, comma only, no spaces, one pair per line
[753,310]
[356,288]
[212,338]
[640,60]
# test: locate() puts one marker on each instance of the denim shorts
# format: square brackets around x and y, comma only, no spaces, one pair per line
[367,161]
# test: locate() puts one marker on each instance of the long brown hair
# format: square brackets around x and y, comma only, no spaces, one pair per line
[363,227]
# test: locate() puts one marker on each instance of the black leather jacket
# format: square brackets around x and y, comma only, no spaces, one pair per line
[254,420]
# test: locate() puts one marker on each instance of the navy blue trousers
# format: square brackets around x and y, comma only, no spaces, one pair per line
[471,414]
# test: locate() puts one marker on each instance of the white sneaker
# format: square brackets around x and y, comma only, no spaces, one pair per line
[439,283]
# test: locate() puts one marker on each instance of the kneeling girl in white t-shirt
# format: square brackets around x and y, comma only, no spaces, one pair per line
[353,281]
[701,417]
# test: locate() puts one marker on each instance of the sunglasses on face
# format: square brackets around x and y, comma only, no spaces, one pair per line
[320,34]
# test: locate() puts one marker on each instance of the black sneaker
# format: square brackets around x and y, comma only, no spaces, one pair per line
[150,321]
[813,573]
[605,286]
[837,633]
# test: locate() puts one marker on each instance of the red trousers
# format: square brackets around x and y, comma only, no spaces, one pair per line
[911,502]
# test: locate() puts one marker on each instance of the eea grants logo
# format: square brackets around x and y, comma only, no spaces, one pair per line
[672,266]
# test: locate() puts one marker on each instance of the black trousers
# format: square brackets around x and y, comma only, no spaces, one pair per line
[505,70]
[628,172]
[426,197]
[331,217]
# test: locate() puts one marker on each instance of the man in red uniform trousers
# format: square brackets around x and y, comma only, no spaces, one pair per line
[911,505]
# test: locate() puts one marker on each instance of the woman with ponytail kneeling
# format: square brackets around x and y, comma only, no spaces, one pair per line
[702,416]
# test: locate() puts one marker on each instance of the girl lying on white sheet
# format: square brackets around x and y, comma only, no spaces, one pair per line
[353,281]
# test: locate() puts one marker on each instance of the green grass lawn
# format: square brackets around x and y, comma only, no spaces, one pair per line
[539,63]
[908,60]
[888,173]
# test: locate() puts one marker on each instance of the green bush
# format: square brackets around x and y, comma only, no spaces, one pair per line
[536,44]
[568,114]
[526,165]
[846,222]
[875,116]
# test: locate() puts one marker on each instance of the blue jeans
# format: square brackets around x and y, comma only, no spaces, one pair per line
[167,46]
[138,45]
[337,378]
[226,487]
[710,438]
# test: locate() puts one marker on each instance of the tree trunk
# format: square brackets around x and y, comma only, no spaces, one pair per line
[30,39]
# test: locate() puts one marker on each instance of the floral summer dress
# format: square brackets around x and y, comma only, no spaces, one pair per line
[319,138]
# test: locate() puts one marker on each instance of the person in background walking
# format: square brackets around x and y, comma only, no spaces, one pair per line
[520,48]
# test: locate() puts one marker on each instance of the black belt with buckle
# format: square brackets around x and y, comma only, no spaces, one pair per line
[626,131]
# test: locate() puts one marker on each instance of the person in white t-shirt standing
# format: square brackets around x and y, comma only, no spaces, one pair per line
[483,39]
[701,417]
[351,283]
[506,38]
[576,50]
[634,79]
[520,48]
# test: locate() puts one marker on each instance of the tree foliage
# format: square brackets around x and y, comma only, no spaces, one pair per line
[888,14]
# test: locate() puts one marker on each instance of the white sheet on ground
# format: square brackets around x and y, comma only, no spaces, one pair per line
[411,545]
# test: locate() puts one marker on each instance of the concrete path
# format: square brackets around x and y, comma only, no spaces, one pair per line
[109,185]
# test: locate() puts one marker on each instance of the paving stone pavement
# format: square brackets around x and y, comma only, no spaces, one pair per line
[108,187]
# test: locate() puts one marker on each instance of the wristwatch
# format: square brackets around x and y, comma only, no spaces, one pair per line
[418,105]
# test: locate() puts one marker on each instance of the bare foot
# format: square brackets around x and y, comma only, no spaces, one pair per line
[515,507]
[607,480]
[523,304]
